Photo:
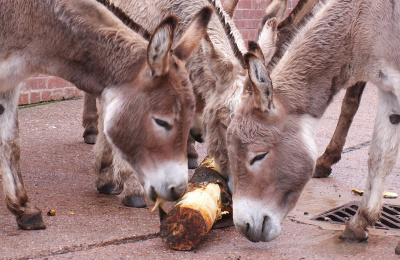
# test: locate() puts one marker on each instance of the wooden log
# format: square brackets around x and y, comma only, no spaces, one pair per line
[206,200]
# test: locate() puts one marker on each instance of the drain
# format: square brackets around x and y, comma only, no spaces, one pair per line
[390,217]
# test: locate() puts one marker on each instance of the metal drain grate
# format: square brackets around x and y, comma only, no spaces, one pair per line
[390,218]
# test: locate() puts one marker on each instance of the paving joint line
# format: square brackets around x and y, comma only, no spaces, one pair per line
[86,247]
[356,147]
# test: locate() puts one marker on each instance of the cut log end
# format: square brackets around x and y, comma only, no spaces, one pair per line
[184,228]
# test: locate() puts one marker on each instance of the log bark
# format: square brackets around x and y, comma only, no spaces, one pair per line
[189,221]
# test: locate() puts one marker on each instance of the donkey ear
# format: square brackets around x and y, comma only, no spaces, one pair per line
[255,48]
[230,7]
[267,39]
[276,9]
[220,65]
[191,40]
[160,45]
[259,77]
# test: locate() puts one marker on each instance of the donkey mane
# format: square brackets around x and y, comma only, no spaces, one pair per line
[232,34]
[291,26]
[125,19]
[293,16]
[297,48]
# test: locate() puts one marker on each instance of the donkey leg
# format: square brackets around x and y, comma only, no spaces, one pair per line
[192,153]
[28,216]
[115,175]
[89,119]
[132,194]
[332,154]
[103,162]
[103,166]
[382,157]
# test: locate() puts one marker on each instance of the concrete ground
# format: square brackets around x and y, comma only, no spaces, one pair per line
[58,175]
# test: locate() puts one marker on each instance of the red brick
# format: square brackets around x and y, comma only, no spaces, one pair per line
[254,5]
[244,4]
[34,97]
[23,98]
[255,23]
[239,14]
[78,93]
[245,34]
[57,94]
[252,34]
[55,82]
[249,24]
[260,13]
[264,4]
[46,95]
[69,93]
[255,15]
[239,24]
[35,83]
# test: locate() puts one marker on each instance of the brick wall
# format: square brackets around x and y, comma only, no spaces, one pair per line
[40,89]
[249,14]
[47,88]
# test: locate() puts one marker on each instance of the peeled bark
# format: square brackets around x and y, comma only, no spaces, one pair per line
[193,216]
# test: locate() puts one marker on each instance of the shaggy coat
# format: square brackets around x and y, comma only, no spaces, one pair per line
[143,86]
[343,43]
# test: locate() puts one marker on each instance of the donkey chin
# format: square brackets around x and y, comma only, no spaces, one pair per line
[256,222]
[168,182]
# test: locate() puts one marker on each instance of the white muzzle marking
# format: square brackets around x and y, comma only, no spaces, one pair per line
[168,181]
[255,220]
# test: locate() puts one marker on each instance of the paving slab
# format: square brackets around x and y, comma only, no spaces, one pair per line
[58,174]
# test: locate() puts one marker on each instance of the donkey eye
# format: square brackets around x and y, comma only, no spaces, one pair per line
[258,157]
[163,123]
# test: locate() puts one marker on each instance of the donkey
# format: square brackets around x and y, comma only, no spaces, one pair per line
[271,137]
[114,174]
[144,87]
[286,30]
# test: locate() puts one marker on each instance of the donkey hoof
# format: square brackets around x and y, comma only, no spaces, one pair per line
[322,171]
[397,250]
[90,139]
[31,221]
[134,201]
[107,189]
[192,163]
[354,235]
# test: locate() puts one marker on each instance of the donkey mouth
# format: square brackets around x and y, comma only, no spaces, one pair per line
[153,194]
[173,193]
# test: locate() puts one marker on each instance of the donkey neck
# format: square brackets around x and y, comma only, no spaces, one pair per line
[317,63]
[93,50]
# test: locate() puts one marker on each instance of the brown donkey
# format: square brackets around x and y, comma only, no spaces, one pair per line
[145,91]
[286,30]
[114,174]
[271,138]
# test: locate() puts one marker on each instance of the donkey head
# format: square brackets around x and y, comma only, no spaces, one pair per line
[270,156]
[148,120]
[230,74]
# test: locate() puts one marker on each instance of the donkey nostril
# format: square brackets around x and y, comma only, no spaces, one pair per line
[247,228]
[174,195]
[265,223]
